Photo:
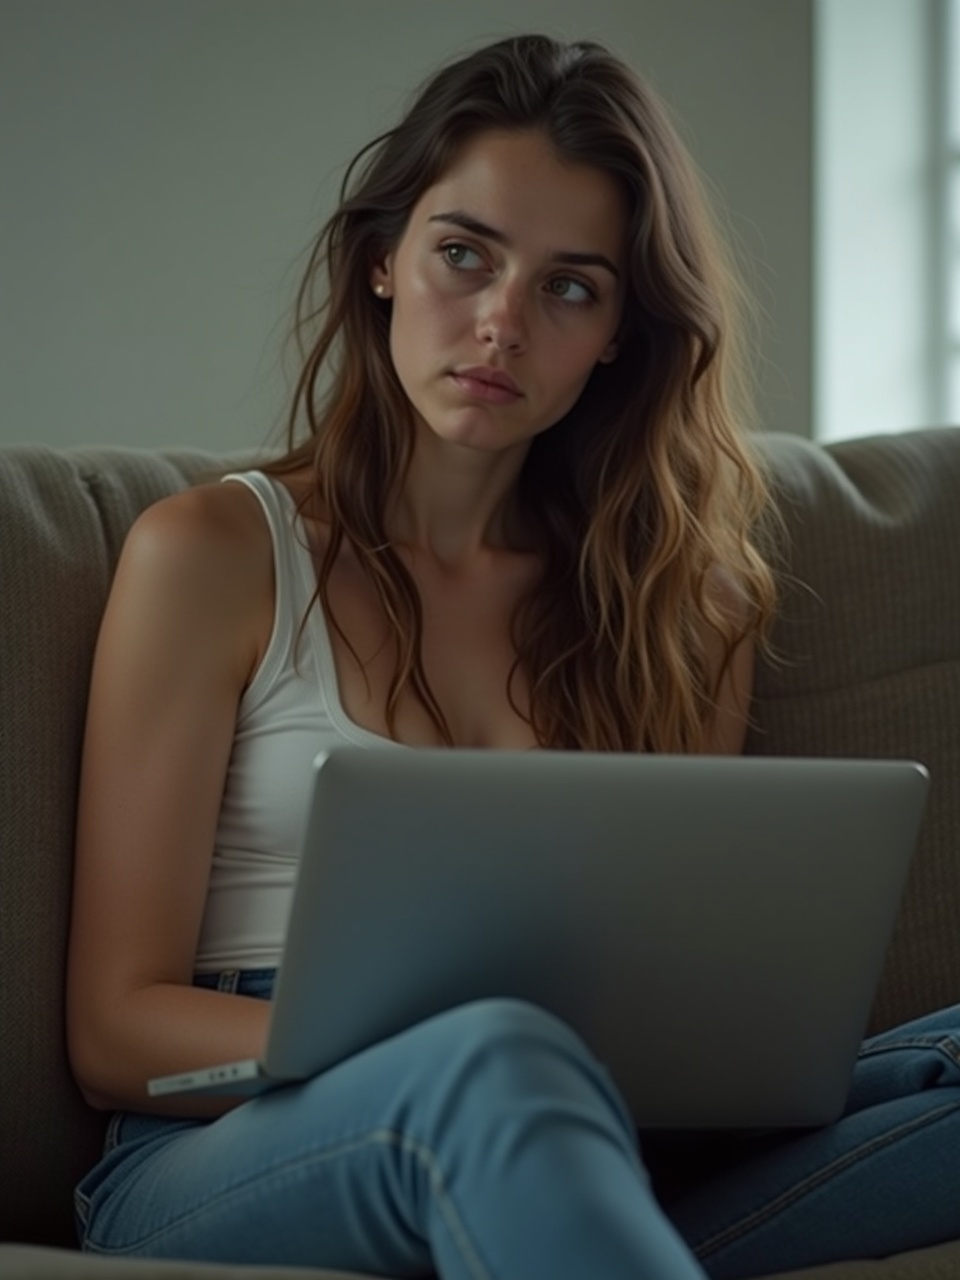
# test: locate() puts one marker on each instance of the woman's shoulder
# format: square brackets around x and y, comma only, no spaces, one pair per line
[204,556]
[214,527]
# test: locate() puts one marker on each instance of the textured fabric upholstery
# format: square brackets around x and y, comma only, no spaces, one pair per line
[63,517]
[869,641]
[869,644]
[30,1262]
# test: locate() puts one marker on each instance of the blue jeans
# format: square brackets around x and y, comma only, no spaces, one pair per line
[487,1142]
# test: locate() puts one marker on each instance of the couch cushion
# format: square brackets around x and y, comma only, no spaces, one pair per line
[32,1263]
[868,635]
[942,1262]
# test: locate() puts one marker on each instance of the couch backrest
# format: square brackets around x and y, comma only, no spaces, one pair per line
[871,666]
[63,517]
[869,633]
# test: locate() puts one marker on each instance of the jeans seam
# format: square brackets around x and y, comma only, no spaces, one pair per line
[111,1139]
[942,1044]
[448,1209]
[421,1151]
[738,1230]
[81,1208]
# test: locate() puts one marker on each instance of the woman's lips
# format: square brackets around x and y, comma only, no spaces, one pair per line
[491,385]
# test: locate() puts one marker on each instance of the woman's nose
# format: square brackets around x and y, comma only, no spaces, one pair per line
[502,322]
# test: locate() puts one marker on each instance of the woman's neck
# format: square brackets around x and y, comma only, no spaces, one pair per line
[457,503]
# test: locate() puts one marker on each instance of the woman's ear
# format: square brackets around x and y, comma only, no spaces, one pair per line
[381,277]
[609,353]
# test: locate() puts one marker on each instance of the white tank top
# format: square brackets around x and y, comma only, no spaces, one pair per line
[290,711]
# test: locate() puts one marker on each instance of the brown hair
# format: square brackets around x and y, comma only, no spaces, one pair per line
[643,496]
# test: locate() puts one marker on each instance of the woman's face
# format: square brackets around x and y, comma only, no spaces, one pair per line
[507,289]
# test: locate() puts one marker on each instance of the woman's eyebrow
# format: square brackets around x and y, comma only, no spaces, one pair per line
[466,222]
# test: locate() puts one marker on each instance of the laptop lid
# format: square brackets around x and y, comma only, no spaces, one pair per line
[714,928]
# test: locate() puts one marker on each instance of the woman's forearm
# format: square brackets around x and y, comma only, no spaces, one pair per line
[163,1029]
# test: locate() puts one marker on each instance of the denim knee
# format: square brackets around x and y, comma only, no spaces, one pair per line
[514,1061]
[502,1022]
[506,1032]
[907,1060]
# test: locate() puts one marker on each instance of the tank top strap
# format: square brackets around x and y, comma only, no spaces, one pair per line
[299,631]
[294,573]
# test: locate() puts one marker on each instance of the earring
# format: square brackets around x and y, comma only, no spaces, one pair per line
[380,290]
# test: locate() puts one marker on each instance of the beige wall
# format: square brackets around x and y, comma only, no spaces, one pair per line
[163,164]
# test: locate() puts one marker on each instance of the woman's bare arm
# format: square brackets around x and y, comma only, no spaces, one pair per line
[180,638]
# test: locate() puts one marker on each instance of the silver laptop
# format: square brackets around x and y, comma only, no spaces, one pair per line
[714,928]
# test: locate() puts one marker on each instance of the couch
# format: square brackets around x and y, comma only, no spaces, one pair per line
[868,636]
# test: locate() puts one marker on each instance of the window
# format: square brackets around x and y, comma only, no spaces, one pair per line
[949,237]
[887,227]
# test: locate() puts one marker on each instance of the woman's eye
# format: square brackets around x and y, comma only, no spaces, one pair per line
[461,256]
[570,290]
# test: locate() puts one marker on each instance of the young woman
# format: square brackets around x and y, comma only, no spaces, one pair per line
[521,514]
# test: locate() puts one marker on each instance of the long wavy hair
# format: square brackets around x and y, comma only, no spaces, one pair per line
[641,498]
